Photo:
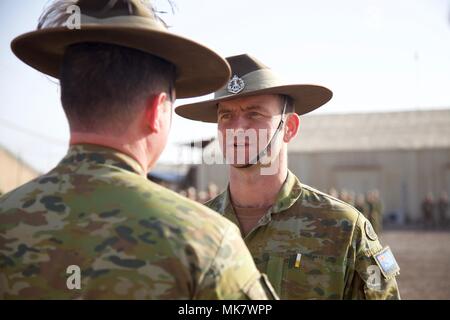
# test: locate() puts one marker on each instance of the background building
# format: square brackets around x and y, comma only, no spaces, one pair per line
[13,172]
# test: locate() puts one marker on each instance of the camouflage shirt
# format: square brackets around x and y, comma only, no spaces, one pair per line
[313,246]
[129,237]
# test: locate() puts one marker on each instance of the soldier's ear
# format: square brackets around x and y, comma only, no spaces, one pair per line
[292,124]
[154,109]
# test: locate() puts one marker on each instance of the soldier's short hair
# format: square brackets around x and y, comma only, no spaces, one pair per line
[103,84]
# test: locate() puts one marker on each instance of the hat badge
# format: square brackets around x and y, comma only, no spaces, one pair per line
[235,85]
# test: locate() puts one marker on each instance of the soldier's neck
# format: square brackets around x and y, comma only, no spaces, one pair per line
[251,189]
[137,149]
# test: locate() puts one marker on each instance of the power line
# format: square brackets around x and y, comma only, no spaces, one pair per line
[34,134]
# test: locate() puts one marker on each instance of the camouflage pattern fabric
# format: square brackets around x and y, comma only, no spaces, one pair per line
[313,246]
[131,238]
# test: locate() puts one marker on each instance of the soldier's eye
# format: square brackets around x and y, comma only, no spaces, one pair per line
[254,114]
[224,116]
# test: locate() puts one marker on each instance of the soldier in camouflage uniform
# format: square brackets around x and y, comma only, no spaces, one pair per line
[94,227]
[361,205]
[375,211]
[311,245]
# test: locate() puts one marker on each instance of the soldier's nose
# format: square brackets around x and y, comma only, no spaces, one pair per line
[241,124]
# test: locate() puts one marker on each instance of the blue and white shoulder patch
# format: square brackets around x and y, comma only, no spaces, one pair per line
[387,263]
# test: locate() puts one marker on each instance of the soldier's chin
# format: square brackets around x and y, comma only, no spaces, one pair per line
[246,164]
[240,166]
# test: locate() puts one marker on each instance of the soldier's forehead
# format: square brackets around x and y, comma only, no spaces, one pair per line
[252,102]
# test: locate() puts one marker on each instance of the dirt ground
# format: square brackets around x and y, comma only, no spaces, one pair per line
[424,260]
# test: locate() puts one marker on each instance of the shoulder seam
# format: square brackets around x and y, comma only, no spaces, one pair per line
[331,197]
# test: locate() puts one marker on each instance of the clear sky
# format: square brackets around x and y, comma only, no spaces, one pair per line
[375,55]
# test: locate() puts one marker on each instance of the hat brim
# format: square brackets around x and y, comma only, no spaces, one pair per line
[199,69]
[306,99]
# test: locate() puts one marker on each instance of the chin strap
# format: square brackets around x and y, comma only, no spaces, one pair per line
[269,144]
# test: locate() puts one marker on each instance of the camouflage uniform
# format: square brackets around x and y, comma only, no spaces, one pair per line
[313,246]
[131,238]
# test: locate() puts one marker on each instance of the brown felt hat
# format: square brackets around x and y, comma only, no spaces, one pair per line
[250,77]
[127,23]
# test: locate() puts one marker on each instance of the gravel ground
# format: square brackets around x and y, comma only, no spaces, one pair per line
[424,259]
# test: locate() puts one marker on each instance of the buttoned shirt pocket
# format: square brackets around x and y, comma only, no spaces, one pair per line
[272,264]
[296,275]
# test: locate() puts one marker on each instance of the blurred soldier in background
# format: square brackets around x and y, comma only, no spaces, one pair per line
[192,193]
[443,208]
[428,211]
[361,205]
[202,196]
[375,210]
[351,198]
[213,191]
[343,195]
[333,192]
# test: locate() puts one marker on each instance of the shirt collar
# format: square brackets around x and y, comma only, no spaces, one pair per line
[289,193]
[96,154]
